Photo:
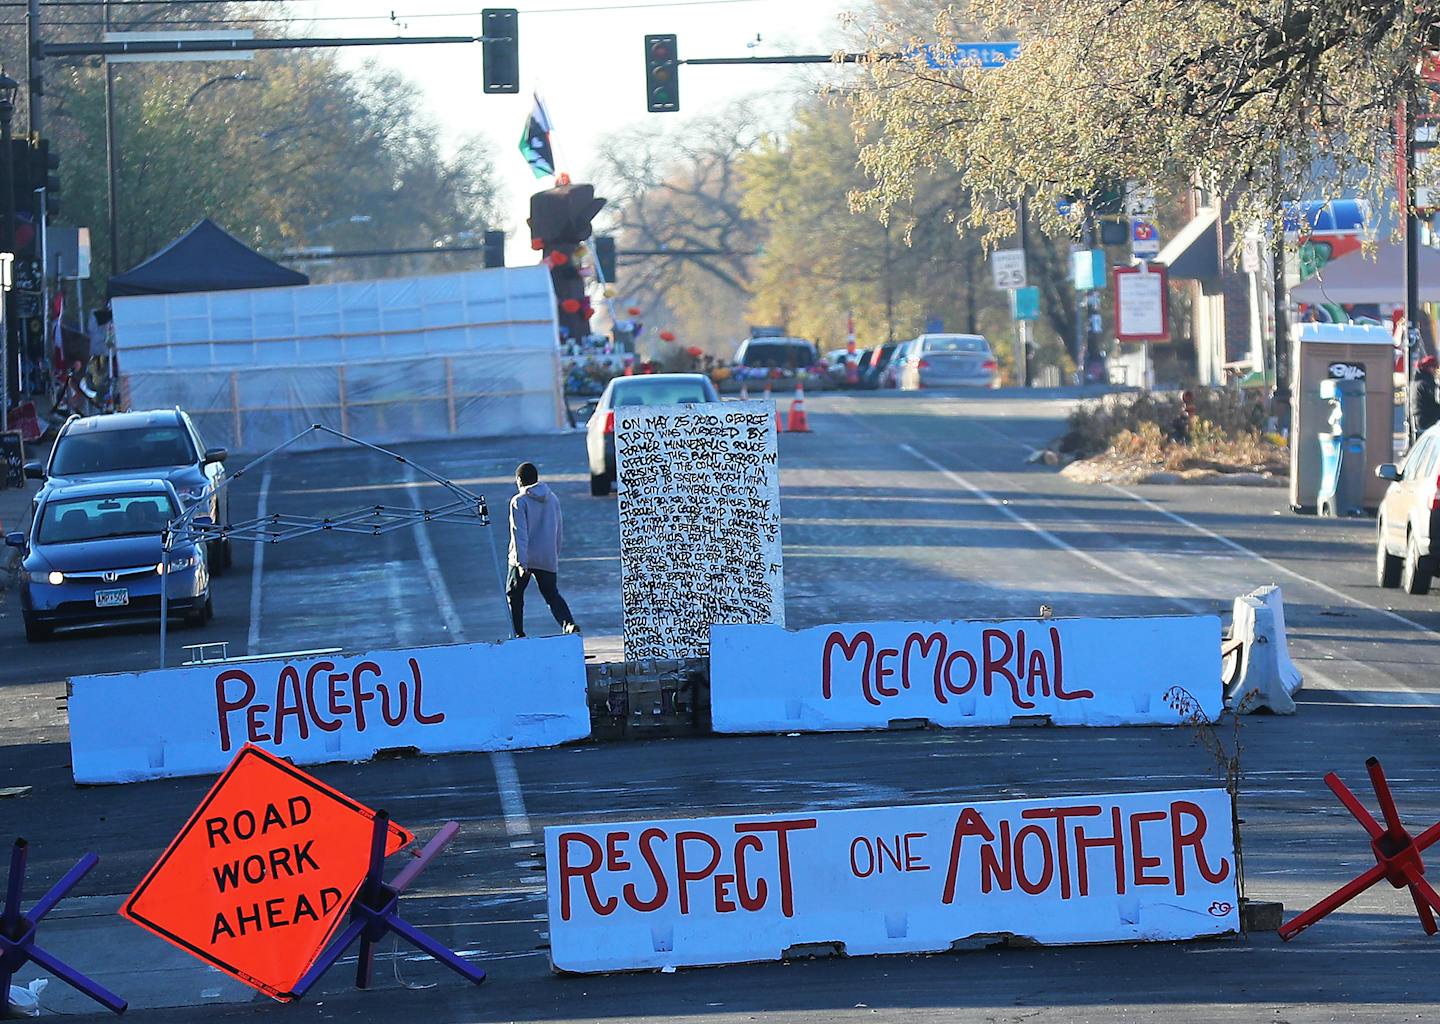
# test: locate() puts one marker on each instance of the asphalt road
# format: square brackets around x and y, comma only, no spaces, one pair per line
[895,506]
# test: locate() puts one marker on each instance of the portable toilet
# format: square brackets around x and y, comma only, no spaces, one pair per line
[1351,352]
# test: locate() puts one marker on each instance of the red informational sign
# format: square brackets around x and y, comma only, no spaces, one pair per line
[1142,303]
[261,875]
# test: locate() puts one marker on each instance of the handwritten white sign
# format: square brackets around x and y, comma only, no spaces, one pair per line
[1138,867]
[699,523]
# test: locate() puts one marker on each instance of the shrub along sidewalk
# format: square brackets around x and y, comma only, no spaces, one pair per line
[1201,436]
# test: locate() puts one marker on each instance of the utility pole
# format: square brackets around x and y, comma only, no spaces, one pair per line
[1412,256]
[1022,353]
[111,205]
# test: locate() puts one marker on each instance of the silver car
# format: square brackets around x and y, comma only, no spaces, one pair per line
[949,361]
[647,389]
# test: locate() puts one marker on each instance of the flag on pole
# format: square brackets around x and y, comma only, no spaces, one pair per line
[535,141]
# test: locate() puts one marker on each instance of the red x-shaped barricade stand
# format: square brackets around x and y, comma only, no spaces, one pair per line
[1397,857]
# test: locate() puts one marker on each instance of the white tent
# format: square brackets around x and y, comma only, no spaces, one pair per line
[470,354]
[1361,278]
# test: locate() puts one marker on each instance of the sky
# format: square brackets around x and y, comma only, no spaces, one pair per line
[586,58]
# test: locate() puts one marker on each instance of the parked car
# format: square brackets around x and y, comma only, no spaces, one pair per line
[873,363]
[779,359]
[949,361]
[836,369]
[1407,540]
[891,375]
[624,392]
[92,554]
[160,443]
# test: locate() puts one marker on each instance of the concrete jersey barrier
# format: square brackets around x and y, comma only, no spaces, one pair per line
[648,894]
[313,709]
[1099,672]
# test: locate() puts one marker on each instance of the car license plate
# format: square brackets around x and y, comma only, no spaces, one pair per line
[112,598]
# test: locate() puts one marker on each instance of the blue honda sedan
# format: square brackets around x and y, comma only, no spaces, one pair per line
[92,554]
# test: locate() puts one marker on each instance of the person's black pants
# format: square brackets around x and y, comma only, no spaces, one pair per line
[549,583]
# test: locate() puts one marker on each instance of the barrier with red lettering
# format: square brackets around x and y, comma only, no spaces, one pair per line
[1112,671]
[340,707]
[1123,868]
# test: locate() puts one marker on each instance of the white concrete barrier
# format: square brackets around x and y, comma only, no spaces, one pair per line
[677,893]
[1268,680]
[314,709]
[868,675]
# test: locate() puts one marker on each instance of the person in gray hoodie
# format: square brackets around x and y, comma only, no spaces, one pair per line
[536,532]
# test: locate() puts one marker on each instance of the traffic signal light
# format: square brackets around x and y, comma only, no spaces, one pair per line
[501,49]
[662,74]
[605,257]
[494,249]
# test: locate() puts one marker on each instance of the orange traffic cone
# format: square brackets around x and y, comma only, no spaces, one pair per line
[798,423]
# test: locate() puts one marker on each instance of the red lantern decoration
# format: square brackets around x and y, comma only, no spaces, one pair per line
[633,311]
[558,259]
[570,306]
[667,335]
[695,351]
[537,244]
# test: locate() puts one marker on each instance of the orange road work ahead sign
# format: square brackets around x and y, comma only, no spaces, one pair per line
[261,875]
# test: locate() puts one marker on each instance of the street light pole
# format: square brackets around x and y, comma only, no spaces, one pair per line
[8,89]
[112,207]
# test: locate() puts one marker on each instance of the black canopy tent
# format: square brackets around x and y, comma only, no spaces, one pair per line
[207,258]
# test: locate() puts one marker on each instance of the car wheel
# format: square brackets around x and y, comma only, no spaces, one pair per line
[599,484]
[215,557]
[199,616]
[36,632]
[1387,566]
[1415,575]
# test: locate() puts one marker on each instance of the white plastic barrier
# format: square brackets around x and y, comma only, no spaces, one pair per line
[655,894]
[462,697]
[867,675]
[1268,679]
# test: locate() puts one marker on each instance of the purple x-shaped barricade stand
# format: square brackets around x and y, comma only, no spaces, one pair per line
[17,931]
[376,912]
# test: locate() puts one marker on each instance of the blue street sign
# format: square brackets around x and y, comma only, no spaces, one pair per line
[1025,303]
[1088,269]
[934,325]
[984,55]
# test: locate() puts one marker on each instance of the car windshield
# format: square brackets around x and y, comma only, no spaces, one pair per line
[121,515]
[106,451]
[784,355]
[662,392]
[956,345]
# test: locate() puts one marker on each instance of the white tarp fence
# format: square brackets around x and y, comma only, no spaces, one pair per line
[866,675]
[341,707]
[676,893]
[467,354]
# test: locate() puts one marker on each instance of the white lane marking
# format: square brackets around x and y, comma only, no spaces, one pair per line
[512,797]
[1243,550]
[252,638]
[507,779]
[1046,535]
